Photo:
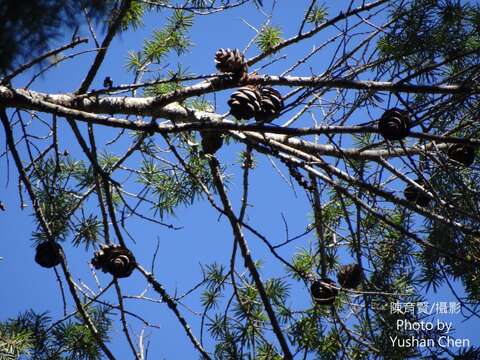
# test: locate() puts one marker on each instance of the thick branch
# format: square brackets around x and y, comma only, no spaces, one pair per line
[188,119]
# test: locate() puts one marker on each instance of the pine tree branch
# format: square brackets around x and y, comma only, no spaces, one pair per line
[151,106]
[86,318]
[23,175]
[42,57]
[344,191]
[50,237]
[112,31]
[197,10]
[149,126]
[249,263]
[197,120]
[148,106]
[341,16]
[98,181]
[330,169]
[321,82]
[172,305]
[124,321]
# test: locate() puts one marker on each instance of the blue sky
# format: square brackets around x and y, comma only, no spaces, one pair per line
[204,237]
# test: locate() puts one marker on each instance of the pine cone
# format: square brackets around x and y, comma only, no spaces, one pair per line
[248,161]
[212,141]
[231,61]
[464,154]
[394,124]
[324,291]
[114,259]
[244,103]
[271,104]
[48,254]
[413,194]
[349,276]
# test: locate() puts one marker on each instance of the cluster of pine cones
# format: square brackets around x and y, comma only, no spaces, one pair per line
[324,291]
[395,124]
[263,103]
[115,260]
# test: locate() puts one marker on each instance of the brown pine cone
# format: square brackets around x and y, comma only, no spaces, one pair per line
[244,103]
[231,61]
[271,104]
[212,141]
[461,153]
[415,195]
[349,276]
[324,291]
[48,254]
[115,260]
[394,124]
